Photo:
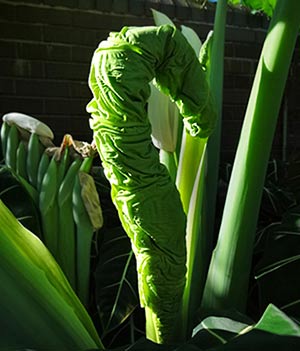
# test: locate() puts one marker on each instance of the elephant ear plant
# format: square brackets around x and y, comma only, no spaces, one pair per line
[147,199]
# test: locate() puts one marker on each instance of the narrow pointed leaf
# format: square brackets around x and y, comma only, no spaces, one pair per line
[117,294]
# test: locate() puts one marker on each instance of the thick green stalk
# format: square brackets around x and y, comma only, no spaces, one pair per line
[168,159]
[191,153]
[192,181]
[196,248]
[216,69]
[228,276]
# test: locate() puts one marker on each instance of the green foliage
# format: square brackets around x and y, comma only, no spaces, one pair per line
[227,281]
[116,280]
[49,208]
[115,276]
[34,153]
[19,202]
[40,308]
[266,6]
[277,262]
[275,331]
[277,270]
[116,311]
[66,238]
[275,257]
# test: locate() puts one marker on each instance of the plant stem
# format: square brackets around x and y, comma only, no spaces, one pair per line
[196,187]
[228,276]
[216,75]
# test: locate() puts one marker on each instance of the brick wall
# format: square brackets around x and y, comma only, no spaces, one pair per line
[46,47]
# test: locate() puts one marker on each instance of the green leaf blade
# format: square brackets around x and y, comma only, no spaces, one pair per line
[33,283]
[277,322]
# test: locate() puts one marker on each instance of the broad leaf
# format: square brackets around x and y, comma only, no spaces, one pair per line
[226,334]
[275,331]
[41,310]
[215,331]
[276,322]
[222,323]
